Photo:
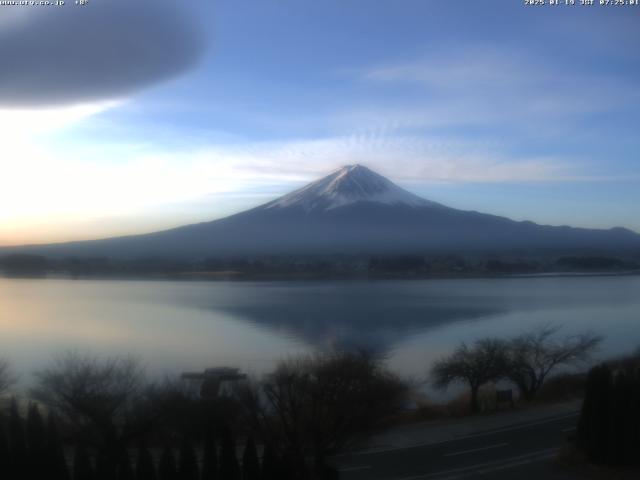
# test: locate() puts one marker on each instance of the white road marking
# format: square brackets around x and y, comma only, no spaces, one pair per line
[488,447]
[488,467]
[355,469]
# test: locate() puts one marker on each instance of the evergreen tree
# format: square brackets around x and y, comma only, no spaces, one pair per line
[167,468]
[250,463]
[56,462]
[18,463]
[105,468]
[609,424]
[288,469]
[619,418]
[210,457]
[586,422]
[124,471]
[145,468]
[188,464]
[269,464]
[36,442]
[326,472]
[229,468]
[634,421]
[82,468]
[600,421]
[36,434]
[4,454]
[626,419]
[584,429]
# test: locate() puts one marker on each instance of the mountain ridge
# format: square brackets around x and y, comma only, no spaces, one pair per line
[353,210]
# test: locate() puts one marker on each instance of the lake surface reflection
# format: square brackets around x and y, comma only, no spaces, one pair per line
[176,326]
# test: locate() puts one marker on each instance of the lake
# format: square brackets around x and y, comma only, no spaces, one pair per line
[178,326]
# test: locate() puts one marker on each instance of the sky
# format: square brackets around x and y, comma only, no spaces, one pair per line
[122,117]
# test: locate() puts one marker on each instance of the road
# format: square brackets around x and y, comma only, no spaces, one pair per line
[518,451]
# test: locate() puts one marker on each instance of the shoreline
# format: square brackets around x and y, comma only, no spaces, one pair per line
[237,276]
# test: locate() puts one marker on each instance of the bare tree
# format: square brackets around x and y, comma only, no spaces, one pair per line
[174,406]
[95,395]
[484,361]
[534,354]
[6,378]
[315,405]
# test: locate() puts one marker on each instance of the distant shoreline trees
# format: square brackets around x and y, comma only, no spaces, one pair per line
[408,265]
[24,265]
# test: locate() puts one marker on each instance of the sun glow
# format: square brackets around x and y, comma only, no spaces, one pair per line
[50,189]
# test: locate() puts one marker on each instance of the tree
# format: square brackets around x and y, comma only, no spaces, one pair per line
[56,463]
[6,378]
[24,265]
[97,396]
[250,462]
[145,468]
[188,465]
[82,468]
[106,468]
[36,435]
[167,469]
[533,355]
[36,442]
[269,464]
[4,454]
[173,405]
[608,427]
[124,471]
[229,468]
[315,405]
[593,424]
[19,464]
[621,448]
[209,457]
[484,361]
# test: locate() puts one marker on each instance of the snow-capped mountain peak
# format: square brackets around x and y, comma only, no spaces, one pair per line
[347,185]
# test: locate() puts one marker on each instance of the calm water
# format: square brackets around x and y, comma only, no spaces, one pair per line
[176,326]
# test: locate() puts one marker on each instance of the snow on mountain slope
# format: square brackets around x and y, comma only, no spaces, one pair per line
[351,211]
[347,185]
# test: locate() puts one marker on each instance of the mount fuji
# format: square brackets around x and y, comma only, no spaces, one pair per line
[351,211]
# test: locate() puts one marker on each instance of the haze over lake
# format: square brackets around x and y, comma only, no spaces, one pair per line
[177,326]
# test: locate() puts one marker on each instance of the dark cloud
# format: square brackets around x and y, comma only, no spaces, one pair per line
[106,49]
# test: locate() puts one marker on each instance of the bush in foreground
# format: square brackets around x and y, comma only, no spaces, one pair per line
[609,424]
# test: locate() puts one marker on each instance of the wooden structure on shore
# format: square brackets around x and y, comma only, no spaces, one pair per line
[213,378]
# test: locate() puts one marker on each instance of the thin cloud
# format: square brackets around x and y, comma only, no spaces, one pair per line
[105,50]
[493,87]
[215,181]
[401,158]
[146,179]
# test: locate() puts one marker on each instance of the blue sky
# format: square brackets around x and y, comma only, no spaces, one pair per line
[165,113]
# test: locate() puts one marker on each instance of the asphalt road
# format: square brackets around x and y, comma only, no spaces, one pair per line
[519,451]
